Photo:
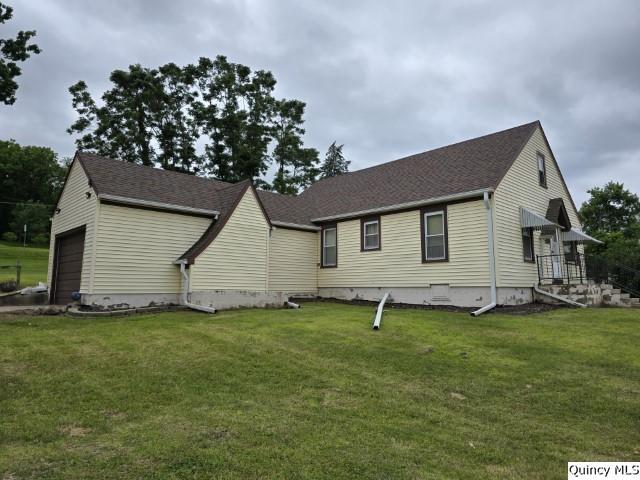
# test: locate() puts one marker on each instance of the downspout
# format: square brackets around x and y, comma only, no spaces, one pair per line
[492,260]
[558,297]
[184,297]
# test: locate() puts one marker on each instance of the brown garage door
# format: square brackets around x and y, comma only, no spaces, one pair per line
[67,268]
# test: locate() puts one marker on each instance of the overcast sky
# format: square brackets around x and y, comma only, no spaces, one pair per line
[387,79]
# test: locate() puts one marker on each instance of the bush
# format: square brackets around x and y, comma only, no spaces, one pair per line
[9,237]
[40,239]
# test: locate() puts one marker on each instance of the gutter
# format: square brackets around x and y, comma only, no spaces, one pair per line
[185,291]
[492,260]
[401,206]
[295,226]
[157,205]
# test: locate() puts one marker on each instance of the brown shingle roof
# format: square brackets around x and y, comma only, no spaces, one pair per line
[113,177]
[467,166]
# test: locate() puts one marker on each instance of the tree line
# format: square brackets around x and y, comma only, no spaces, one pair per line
[214,118]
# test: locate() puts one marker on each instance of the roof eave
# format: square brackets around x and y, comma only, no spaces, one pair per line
[403,206]
[135,202]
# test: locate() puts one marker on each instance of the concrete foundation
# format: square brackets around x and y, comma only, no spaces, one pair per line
[591,294]
[433,295]
[218,299]
[116,301]
[226,299]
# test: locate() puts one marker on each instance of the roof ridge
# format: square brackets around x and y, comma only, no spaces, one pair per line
[535,122]
[152,167]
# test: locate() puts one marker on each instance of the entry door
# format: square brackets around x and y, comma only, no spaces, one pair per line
[67,266]
[555,259]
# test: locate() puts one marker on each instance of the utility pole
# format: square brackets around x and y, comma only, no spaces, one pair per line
[24,236]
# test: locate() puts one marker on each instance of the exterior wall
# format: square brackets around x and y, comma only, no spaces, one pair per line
[136,248]
[293,261]
[76,210]
[237,259]
[520,188]
[433,296]
[399,262]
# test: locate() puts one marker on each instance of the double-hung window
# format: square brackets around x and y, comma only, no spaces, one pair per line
[542,171]
[330,246]
[527,244]
[434,229]
[370,233]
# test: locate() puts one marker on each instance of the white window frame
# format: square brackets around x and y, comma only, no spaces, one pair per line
[542,169]
[426,236]
[324,247]
[364,234]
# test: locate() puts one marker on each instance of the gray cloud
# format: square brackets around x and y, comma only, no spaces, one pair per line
[386,78]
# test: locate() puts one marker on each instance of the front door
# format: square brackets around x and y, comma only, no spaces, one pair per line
[555,258]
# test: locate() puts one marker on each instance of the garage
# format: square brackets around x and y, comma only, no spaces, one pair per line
[67,266]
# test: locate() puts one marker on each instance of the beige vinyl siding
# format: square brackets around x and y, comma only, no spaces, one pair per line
[136,248]
[399,262]
[520,188]
[293,259]
[237,257]
[76,210]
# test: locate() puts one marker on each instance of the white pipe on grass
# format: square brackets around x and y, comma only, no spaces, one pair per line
[378,318]
[292,305]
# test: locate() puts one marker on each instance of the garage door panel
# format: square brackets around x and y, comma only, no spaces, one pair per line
[69,254]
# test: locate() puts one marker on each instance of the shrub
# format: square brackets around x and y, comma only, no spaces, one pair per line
[9,237]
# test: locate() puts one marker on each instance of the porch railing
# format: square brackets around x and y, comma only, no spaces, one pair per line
[578,268]
[603,270]
[561,268]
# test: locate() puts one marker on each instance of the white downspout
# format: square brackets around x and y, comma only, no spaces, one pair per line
[492,260]
[184,297]
[558,297]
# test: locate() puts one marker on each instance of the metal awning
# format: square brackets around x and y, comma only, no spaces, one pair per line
[575,235]
[529,219]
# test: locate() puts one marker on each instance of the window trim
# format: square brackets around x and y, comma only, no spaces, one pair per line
[363,222]
[432,209]
[329,226]
[540,155]
[533,247]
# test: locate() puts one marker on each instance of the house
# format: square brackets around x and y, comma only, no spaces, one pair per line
[459,225]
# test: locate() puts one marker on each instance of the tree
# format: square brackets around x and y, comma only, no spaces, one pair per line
[33,214]
[27,175]
[297,165]
[612,214]
[334,162]
[610,209]
[213,118]
[13,51]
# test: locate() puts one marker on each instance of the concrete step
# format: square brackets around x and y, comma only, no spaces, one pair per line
[635,301]
[625,296]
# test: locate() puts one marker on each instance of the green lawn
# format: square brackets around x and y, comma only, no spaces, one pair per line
[33,260]
[315,393]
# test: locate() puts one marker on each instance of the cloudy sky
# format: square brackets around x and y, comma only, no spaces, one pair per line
[387,79]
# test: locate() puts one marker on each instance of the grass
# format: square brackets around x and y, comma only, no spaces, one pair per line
[315,393]
[33,260]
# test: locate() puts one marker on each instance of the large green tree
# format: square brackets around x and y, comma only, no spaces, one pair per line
[12,52]
[612,214]
[296,164]
[28,175]
[334,162]
[214,117]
